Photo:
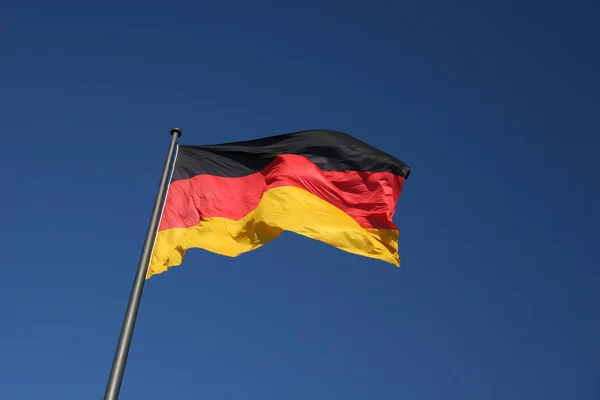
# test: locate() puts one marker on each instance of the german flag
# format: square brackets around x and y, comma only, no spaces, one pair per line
[235,197]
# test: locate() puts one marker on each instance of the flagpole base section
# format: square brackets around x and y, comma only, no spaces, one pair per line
[176,131]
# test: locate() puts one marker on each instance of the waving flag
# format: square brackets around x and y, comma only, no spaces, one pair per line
[326,185]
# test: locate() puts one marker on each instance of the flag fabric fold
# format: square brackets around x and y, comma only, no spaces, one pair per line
[235,197]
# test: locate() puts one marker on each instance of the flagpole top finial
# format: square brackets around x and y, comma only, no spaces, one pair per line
[176,131]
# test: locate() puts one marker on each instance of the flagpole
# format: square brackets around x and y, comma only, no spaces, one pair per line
[118,367]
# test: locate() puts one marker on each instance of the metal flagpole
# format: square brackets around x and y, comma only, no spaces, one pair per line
[118,368]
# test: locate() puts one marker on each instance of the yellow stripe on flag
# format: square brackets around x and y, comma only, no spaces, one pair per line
[282,208]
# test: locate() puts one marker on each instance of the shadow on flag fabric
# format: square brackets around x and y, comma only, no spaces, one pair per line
[235,197]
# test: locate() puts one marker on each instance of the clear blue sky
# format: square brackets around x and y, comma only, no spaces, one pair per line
[495,107]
